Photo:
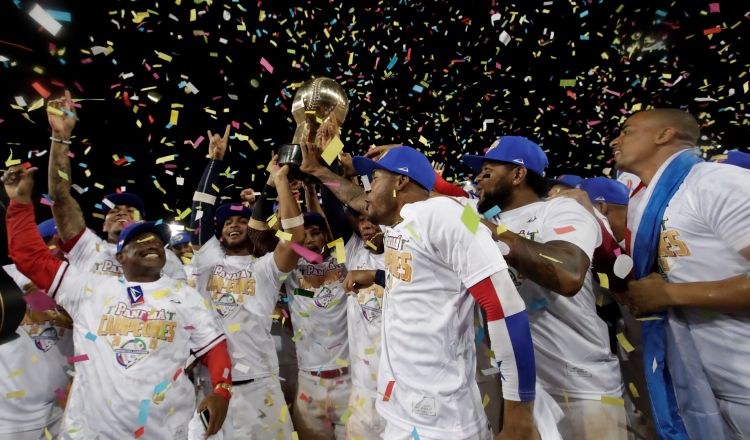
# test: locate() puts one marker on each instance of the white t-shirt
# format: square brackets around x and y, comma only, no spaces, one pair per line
[243,290]
[427,368]
[92,253]
[706,225]
[317,302]
[364,319]
[33,365]
[571,343]
[135,354]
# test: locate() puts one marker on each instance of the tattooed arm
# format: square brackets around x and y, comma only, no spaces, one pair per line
[66,210]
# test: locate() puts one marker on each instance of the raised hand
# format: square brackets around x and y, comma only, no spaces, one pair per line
[347,165]
[217,145]
[310,159]
[247,195]
[62,121]
[19,183]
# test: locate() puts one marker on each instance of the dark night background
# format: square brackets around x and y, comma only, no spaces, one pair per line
[431,74]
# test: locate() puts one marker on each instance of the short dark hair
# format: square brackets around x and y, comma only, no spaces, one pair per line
[687,128]
[539,184]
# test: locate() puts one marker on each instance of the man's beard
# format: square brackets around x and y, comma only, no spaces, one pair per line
[492,197]
[239,245]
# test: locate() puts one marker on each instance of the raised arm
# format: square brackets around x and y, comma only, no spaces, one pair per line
[25,245]
[291,221]
[206,192]
[67,212]
[348,192]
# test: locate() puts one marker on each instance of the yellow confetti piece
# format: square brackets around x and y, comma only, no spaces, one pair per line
[296,337]
[369,351]
[15,394]
[550,258]
[625,343]
[34,358]
[15,373]
[295,436]
[143,240]
[633,390]
[501,229]
[54,111]
[470,219]
[63,175]
[282,415]
[650,318]
[163,56]
[486,400]
[47,434]
[616,401]
[173,117]
[233,328]
[346,415]
[164,159]
[342,362]
[161,293]
[184,214]
[603,280]
[286,236]
[332,150]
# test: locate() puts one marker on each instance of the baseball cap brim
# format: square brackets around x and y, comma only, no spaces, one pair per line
[128,199]
[365,165]
[474,161]
[132,231]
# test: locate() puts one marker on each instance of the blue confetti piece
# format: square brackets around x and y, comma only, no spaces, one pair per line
[495,210]
[415,434]
[90,336]
[143,413]
[583,14]
[392,62]
[161,387]
[539,304]
[417,88]
[661,13]
[480,334]
[59,15]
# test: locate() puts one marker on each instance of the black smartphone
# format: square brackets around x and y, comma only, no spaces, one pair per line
[205,416]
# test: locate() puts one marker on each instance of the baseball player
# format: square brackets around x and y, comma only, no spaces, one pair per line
[243,290]
[84,248]
[549,246]
[564,182]
[689,221]
[33,367]
[132,335]
[426,383]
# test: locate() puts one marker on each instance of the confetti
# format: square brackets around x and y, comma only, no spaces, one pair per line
[564,229]
[79,358]
[15,394]
[616,401]
[45,19]
[388,390]
[470,219]
[625,343]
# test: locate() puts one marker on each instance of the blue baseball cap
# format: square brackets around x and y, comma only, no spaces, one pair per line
[137,229]
[405,161]
[47,228]
[602,189]
[516,150]
[227,210]
[127,199]
[178,239]
[569,180]
[737,158]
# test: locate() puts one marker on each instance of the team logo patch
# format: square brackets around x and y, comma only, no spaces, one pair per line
[323,298]
[47,339]
[226,304]
[131,352]
[371,309]
[135,293]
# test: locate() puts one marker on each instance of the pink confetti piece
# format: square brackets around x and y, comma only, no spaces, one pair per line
[39,301]
[61,393]
[79,358]
[714,7]
[306,253]
[564,229]
[331,184]
[266,64]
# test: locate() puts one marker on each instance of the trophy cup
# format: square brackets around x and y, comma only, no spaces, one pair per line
[319,108]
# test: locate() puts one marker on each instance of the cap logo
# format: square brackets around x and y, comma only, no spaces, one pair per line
[493,146]
[518,161]
[404,169]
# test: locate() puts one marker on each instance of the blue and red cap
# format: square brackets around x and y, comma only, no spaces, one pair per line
[516,150]
[137,229]
[127,199]
[405,161]
[227,210]
[602,189]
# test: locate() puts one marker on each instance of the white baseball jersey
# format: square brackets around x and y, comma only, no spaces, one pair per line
[427,368]
[317,302]
[628,179]
[243,290]
[571,342]
[92,253]
[129,357]
[706,225]
[32,369]
[364,319]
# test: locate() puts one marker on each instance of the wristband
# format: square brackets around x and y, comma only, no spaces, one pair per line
[380,277]
[60,141]
[224,390]
[204,198]
[289,223]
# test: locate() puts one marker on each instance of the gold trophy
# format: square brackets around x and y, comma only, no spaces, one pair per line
[319,108]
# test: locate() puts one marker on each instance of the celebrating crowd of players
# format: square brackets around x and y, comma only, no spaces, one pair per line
[564,309]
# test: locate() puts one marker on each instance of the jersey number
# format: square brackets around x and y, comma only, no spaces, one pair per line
[671,246]
[397,263]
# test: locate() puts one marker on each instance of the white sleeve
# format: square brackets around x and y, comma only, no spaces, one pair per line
[20,279]
[205,330]
[208,254]
[173,267]
[723,201]
[566,220]
[473,257]
[69,286]
[85,252]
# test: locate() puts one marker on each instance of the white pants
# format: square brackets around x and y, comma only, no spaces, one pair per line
[364,422]
[394,433]
[258,411]
[34,434]
[319,406]
[591,420]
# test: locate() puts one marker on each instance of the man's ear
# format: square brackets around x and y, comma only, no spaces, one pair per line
[401,182]
[519,175]
[665,136]
[120,257]
[602,207]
